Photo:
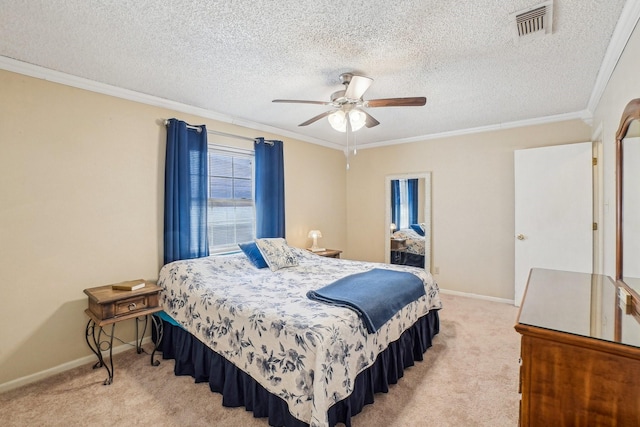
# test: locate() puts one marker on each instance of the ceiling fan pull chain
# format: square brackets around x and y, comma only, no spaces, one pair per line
[355,144]
[348,131]
[347,153]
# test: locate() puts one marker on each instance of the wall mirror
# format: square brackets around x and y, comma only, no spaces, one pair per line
[408,219]
[628,197]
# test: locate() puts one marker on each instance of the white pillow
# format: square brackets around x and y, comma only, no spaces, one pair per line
[276,253]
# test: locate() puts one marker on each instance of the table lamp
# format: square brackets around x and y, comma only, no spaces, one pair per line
[314,234]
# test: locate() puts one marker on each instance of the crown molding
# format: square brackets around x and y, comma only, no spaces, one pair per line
[624,28]
[36,71]
[584,115]
[43,73]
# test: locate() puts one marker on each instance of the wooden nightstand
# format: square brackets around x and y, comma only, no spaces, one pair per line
[329,253]
[108,307]
[398,251]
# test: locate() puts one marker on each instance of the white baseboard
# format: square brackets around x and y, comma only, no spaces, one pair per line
[19,382]
[476,296]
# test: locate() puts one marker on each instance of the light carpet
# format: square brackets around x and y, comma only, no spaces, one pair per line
[468,378]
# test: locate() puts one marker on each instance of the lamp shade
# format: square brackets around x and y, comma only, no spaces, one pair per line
[314,234]
[338,120]
[357,118]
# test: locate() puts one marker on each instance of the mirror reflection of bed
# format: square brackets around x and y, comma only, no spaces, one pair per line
[407,246]
[408,219]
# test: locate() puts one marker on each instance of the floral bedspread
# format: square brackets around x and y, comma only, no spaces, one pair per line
[306,352]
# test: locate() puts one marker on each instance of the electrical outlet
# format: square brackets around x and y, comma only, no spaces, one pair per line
[436,270]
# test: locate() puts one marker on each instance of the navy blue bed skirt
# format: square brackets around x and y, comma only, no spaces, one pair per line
[406,258]
[415,260]
[194,358]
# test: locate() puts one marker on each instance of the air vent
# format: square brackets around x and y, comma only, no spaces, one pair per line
[534,21]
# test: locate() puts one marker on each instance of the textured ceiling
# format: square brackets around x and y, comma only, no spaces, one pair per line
[234,56]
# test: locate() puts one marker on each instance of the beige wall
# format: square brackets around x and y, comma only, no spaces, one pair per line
[623,86]
[472,201]
[81,194]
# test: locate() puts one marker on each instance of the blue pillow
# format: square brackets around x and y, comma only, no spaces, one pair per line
[417,228]
[252,252]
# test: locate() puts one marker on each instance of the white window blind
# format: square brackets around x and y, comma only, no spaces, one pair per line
[231,209]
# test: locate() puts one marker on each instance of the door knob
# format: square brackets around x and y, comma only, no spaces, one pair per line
[520,236]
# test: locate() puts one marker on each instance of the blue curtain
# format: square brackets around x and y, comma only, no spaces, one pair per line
[395,202]
[269,188]
[185,192]
[412,202]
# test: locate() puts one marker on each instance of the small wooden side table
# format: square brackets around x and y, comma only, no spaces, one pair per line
[329,253]
[108,306]
[398,251]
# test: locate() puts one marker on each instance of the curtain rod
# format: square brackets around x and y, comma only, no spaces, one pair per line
[230,135]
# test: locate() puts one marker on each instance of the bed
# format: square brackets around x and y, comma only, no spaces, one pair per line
[261,342]
[415,246]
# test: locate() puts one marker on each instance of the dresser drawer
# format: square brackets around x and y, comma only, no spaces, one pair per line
[104,310]
[132,305]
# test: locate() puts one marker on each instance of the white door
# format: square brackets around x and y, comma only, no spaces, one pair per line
[553,210]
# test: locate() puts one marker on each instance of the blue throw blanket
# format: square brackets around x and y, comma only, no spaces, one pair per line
[376,295]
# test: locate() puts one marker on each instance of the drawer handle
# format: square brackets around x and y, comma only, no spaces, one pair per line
[132,306]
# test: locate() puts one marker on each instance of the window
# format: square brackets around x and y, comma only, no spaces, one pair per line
[404,204]
[230,209]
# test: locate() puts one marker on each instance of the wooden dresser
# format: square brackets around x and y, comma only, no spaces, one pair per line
[580,352]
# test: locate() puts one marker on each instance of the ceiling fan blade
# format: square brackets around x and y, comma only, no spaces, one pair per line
[316,118]
[371,122]
[357,87]
[417,101]
[300,101]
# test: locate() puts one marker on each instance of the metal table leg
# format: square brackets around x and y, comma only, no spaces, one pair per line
[140,337]
[97,347]
[159,327]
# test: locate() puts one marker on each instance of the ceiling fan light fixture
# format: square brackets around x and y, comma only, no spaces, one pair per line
[338,120]
[357,118]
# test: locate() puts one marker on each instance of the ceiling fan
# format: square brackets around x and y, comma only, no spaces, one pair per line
[348,104]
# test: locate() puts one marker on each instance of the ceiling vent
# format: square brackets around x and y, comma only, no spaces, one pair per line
[535,21]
